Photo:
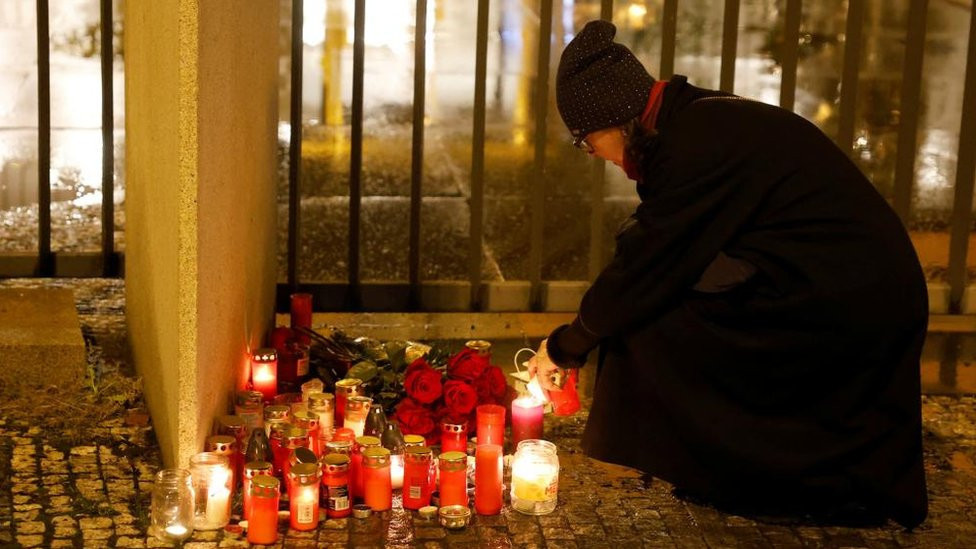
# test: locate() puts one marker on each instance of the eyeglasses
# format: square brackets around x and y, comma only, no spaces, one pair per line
[582,144]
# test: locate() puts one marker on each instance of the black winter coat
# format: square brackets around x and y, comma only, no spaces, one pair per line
[761,322]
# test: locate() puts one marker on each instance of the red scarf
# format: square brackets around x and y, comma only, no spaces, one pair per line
[648,120]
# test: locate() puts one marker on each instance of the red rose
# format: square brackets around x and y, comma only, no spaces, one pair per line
[414,419]
[422,383]
[491,386]
[466,365]
[459,397]
[417,364]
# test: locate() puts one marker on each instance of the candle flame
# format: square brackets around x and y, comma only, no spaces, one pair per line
[536,390]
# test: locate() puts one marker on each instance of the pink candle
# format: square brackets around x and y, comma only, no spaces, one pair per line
[491,424]
[264,372]
[488,479]
[526,419]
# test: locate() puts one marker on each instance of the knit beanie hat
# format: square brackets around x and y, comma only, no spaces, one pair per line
[599,83]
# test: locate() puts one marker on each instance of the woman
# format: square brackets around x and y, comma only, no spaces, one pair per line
[761,323]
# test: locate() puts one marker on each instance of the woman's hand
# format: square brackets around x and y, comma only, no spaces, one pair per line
[542,368]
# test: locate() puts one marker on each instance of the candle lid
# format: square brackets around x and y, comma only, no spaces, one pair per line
[279,428]
[414,440]
[339,446]
[418,451]
[348,383]
[304,470]
[481,346]
[221,444]
[266,354]
[454,427]
[265,481]
[276,412]
[306,419]
[361,511]
[453,457]
[245,398]
[335,463]
[294,434]
[231,422]
[376,456]
[367,441]
[254,468]
[427,512]
[302,455]
[358,402]
[318,399]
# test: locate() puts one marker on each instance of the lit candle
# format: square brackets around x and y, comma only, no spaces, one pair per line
[344,389]
[262,524]
[526,419]
[488,479]
[396,471]
[264,372]
[453,479]
[535,477]
[218,498]
[377,483]
[491,424]
[211,478]
[303,496]
[177,531]
[323,404]
[357,408]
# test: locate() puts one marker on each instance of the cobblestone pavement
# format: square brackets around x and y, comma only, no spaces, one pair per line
[92,489]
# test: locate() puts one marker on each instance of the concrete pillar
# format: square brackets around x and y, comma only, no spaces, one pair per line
[201,126]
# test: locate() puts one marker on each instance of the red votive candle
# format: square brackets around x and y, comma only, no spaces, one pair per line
[262,524]
[488,479]
[310,422]
[303,496]
[254,469]
[491,424]
[454,437]
[377,484]
[356,465]
[264,372]
[417,485]
[453,481]
[335,486]
[345,388]
[301,314]
[292,439]
[526,419]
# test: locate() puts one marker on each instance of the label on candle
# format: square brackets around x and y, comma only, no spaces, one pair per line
[338,497]
[415,492]
[301,366]
[304,512]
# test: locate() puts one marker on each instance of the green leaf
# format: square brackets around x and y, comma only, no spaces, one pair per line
[364,370]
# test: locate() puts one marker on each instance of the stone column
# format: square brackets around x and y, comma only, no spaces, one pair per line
[201,126]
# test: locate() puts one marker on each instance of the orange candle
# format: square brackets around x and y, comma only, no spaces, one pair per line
[356,465]
[488,479]
[303,496]
[253,469]
[491,424]
[454,437]
[262,526]
[335,486]
[264,372]
[453,483]
[417,479]
[377,484]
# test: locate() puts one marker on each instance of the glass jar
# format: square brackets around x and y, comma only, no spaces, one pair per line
[343,447]
[453,479]
[355,415]
[303,496]
[226,445]
[279,452]
[334,497]
[479,346]
[491,424]
[535,477]
[264,495]
[344,389]
[171,510]
[292,439]
[258,447]
[377,488]
[414,440]
[211,488]
[417,478]
[275,414]
[253,469]
[454,437]
[323,404]
[310,422]
[250,408]
[356,465]
[393,441]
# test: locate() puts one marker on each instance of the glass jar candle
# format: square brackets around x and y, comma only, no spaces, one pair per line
[356,465]
[535,477]
[357,407]
[480,346]
[377,487]
[301,314]
[343,447]
[334,497]
[264,372]
[303,496]
[344,433]
[491,424]
[171,509]
[279,451]
[414,440]
[345,388]
[417,478]
[262,522]
[292,439]
[250,408]
[275,414]
[253,469]
[226,445]
[310,422]
[452,483]
[454,437]
[211,488]
[488,479]
[323,405]
[526,419]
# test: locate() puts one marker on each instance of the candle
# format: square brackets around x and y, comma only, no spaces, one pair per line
[454,437]
[323,404]
[488,479]
[211,478]
[535,477]
[335,486]
[303,496]
[356,465]
[377,483]
[253,469]
[177,531]
[275,414]
[396,471]
[218,499]
[226,445]
[262,524]
[357,408]
[345,388]
[310,422]
[171,506]
[491,424]
[294,439]
[417,481]
[264,372]
[250,408]
[526,419]
[301,314]
[453,480]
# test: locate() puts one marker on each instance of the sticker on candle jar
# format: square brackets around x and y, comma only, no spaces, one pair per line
[535,477]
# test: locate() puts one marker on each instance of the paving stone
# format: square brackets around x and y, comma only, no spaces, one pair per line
[62,543]
[30,541]
[31,527]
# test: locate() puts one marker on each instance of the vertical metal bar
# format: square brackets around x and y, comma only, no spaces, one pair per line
[108,142]
[45,265]
[477,204]
[730,43]
[669,35]
[539,171]
[597,210]
[962,204]
[849,78]
[911,92]
[295,143]
[791,51]
[354,297]
[417,161]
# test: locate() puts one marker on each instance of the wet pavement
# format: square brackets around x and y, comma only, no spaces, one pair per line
[90,486]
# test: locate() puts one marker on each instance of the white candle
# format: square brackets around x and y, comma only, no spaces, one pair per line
[396,471]
[534,481]
[218,499]
[357,425]
[177,531]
